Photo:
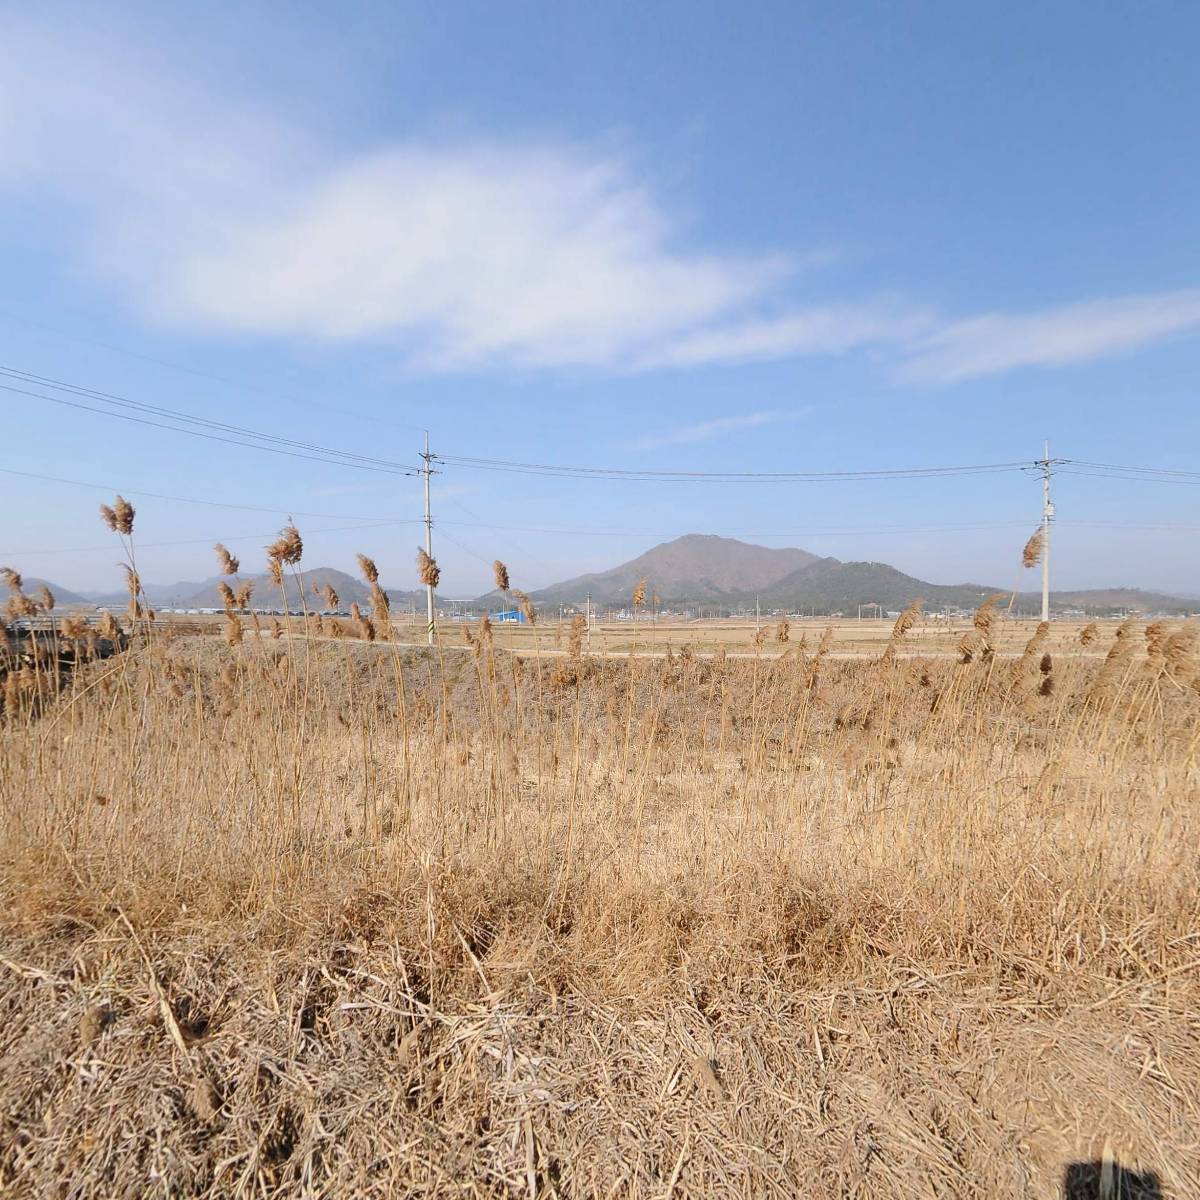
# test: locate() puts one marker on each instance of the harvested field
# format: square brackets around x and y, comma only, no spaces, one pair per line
[291,917]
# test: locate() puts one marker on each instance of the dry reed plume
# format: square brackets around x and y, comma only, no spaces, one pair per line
[233,628]
[288,547]
[370,572]
[575,641]
[362,623]
[118,516]
[428,571]
[226,563]
[906,620]
[328,918]
[526,605]
[1032,554]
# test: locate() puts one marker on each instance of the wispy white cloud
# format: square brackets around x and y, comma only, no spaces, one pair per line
[814,330]
[705,431]
[1057,337]
[467,255]
[463,254]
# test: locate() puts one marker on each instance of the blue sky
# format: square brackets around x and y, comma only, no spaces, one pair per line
[771,237]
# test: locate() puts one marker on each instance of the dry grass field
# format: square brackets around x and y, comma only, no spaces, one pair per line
[291,915]
[929,636]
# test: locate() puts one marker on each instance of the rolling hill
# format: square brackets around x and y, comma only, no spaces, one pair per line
[266,592]
[697,569]
[63,597]
[724,572]
[830,585]
[203,593]
[698,566]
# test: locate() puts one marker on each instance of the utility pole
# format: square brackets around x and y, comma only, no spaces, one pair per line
[757,616]
[1047,517]
[427,471]
[589,620]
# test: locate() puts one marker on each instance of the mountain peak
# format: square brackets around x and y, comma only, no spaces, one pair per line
[695,566]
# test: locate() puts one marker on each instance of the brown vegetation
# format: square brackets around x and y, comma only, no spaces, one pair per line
[302,917]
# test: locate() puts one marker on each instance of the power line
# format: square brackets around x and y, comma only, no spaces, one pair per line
[636,473]
[1160,526]
[669,533]
[576,531]
[345,460]
[1169,471]
[141,412]
[480,523]
[824,530]
[196,433]
[175,415]
[477,523]
[487,562]
[205,541]
[1128,476]
[321,405]
[282,510]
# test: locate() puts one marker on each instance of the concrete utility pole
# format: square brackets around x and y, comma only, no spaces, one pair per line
[589,620]
[427,471]
[1047,517]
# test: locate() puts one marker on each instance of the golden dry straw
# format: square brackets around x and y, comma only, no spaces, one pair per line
[1032,554]
[906,620]
[226,562]
[233,628]
[575,639]
[118,516]
[525,602]
[288,547]
[370,572]
[364,625]
[428,571]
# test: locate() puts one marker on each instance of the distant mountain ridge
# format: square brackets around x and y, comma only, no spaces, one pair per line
[204,594]
[697,566]
[696,569]
[63,597]
[725,572]
[309,593]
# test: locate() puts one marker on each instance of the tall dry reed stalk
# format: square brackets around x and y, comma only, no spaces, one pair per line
[418,916]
